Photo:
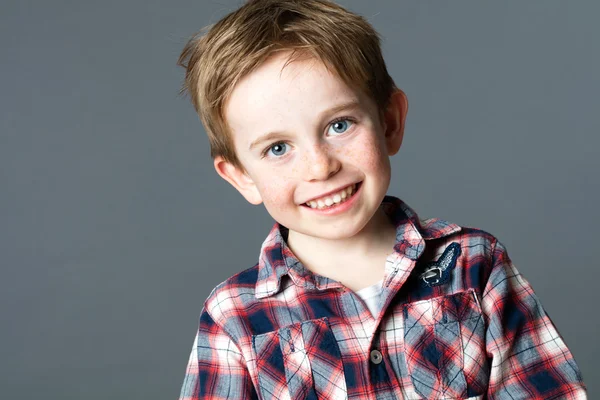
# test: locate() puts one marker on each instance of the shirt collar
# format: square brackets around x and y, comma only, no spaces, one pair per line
[276,259]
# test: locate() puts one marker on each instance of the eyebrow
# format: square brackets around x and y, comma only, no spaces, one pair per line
[353,104]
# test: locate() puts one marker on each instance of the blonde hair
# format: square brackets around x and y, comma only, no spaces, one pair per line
[219,55]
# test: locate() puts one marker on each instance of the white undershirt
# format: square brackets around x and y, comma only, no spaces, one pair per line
[371,295]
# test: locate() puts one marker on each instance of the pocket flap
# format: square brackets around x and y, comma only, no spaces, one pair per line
[455,307]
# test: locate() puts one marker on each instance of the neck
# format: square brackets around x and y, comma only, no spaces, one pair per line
[357,253]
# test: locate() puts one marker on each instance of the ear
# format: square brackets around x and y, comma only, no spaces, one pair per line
[238,179]
[393,121]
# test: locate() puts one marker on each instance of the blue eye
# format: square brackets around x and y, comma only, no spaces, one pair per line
[342,124]
[277,149]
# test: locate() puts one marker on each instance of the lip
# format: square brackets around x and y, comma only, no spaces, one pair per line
[331,192]
[340,207]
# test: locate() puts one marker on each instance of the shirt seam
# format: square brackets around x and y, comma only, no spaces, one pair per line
[229,335]
[493,263]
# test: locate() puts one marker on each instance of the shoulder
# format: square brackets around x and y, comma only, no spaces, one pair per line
[467,235]
[228,301]
[236,291]
[477,250]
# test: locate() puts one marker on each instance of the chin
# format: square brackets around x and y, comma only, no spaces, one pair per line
[344,230]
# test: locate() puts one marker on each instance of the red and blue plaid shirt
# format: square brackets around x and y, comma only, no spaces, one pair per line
[456,321]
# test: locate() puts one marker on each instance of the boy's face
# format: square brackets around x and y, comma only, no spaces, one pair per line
[310,154]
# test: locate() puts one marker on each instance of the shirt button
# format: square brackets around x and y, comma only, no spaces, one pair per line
[376,357]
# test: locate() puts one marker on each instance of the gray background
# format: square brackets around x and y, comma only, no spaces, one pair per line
[114,226]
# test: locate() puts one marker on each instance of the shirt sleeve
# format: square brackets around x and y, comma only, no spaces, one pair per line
[529,358]
[216,368]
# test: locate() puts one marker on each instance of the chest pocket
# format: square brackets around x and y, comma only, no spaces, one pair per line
[300,361]
[445,346]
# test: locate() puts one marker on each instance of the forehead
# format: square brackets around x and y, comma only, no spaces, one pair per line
[274,98]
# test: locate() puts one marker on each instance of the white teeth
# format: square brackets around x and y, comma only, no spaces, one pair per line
[335,199]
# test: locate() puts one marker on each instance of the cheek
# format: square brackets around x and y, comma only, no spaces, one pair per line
[276,194]
[367,154]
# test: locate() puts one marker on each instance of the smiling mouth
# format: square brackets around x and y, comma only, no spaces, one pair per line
[335,199]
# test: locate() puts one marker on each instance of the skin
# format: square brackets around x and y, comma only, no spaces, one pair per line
[318,156]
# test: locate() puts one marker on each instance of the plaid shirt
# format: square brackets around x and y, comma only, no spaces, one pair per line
[457,321]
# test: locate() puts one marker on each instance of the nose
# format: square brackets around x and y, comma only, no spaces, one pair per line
[321,162]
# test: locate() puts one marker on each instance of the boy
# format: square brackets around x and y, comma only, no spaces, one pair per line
[353,295]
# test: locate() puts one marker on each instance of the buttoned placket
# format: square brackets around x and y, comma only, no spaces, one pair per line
[400,268]
[379,371]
